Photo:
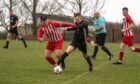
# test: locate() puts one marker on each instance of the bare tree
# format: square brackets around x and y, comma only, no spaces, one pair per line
[82,6]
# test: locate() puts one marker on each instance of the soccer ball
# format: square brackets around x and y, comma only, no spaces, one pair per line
[57,69]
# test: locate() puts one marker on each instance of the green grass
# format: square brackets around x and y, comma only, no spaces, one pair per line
[28,66]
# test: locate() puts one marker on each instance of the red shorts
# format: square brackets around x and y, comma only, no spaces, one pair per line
[54,45]
[128,40]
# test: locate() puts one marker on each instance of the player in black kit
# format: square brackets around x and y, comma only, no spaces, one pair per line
[13,30]
[79,40]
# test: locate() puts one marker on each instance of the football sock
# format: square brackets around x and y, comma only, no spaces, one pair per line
[7,43]
[51,60]
[106,50]
[62,58]
[137,50]
[89,61]
[95,52]
[24,42]
[121,54]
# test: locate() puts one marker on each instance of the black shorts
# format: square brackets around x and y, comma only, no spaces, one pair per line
[100,39]
[14,31]
[80,45]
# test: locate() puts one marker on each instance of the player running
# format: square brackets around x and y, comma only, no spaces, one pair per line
[13,30]
[79,40]
[55,40]
[100,35]
[128,35]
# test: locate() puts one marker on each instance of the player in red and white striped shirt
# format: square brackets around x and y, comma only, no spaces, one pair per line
[55,40]
[128,35]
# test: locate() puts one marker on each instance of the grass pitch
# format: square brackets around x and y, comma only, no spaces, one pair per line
[28,66]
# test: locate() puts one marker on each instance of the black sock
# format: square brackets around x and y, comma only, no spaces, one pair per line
[62,58]
[24,42]
[88,61]
[7,43]
[106,50]
[95,52]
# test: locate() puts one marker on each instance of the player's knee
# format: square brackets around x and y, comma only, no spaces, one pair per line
[47,56]
[121,49]
[132,49]
[58,55]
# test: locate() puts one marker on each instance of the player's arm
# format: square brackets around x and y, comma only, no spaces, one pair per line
[61,24]
[130,24]
[40,35]
[85,24]
[99,28]
[101,25]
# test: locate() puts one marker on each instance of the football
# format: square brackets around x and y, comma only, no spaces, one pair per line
[57,69]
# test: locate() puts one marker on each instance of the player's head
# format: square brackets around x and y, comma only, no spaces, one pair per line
[96,14]
[125,11]
[43,19]
[77,18]
[11,12]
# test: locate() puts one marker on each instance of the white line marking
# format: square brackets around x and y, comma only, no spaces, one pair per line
[96,68]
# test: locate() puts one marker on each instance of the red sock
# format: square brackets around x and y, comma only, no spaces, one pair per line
[137,49]
[121,56]
[51,60]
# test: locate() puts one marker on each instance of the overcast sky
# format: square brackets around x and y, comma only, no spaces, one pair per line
[113,10]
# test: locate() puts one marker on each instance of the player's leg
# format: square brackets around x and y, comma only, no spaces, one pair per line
[58,50]
[135,49]
[83,48]
[95,51]
[21,38]
[9,36]
[48,52]
[49,58]
[104,48]
[69,50]
[121,53]
[87,58]
[58,53]
[131,45]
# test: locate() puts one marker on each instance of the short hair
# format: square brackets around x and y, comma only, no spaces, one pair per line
[77,14]
[125,8]
[43,18]
[11,10]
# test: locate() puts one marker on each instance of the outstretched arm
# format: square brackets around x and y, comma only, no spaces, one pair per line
[78,26]
[40,34]
[61,24]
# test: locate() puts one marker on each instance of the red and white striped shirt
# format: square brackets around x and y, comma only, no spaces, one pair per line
[127,21]
[50,30]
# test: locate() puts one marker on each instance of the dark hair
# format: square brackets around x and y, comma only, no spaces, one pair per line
[11,10]
[43,18]
[77,14]
[125,8]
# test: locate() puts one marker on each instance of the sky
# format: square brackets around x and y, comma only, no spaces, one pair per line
[113,10]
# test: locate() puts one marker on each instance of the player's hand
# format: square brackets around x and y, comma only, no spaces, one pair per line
[13,26]
[64,29]
[41,39]
[123,30]
[89,38]
[94,30]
